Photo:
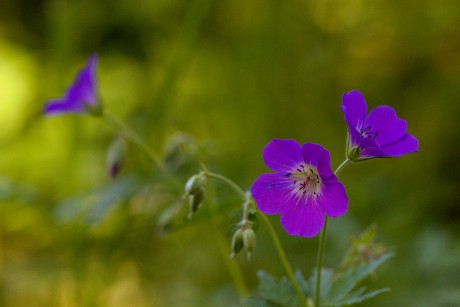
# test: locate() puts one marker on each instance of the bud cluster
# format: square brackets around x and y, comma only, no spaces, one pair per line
[244,236]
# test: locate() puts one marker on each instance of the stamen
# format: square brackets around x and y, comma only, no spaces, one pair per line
[305,181]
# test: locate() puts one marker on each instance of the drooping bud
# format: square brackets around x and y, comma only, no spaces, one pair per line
[194,184]
[249,240]
[195,200]
[237,242]
[115,156]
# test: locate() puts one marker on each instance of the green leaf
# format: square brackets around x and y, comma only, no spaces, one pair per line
[304,284]
[358,296]
[276,292]
[346,281]
[326,282]
[255,302]
[95,206]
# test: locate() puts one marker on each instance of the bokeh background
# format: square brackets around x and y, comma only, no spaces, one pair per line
[213,81]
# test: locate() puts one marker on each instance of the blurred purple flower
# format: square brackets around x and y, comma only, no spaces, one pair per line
[303,188]
[379,134]
[81,96]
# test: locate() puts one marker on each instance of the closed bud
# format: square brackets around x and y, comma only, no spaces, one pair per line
[237,242]
[194,184]
[195,200]
[249,240]
[115,156]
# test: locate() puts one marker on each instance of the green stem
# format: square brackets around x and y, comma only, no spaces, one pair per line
[228,182]
[132,136]
[322,247]
[129,134]
[341,167]
[271,231]
[283,258]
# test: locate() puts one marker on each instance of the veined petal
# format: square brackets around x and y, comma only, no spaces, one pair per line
[272,192]
[281,155]
[334,200]
[387,124]
[304,219]
[370,148]
[354,108]
[317,156]
[355,137]
[407,144]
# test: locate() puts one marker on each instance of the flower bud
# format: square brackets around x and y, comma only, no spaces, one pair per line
[194,184]
[237,242]
[115,156]
[249,240]
[195,200]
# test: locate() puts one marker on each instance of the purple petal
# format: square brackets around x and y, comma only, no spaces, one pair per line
[281,155]
[304,219]
[370,148]
[334,199]
[272,192]
[407,144]
[390,127]
[354,135]
[59,106]
[80,94]
[354,107]
[317,156]
[83,89]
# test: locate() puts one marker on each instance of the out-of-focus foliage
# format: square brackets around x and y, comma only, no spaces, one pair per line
[213,81]
[338,287]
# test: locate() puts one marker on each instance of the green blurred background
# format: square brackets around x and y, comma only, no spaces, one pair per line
[232,75]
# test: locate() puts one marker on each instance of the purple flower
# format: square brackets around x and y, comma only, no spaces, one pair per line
[303,188]
[380,134]
[81,96]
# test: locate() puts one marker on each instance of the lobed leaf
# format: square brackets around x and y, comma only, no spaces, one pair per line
[358,296]
[347,281]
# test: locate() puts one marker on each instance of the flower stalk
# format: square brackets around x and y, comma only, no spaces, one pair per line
[322,246]
[245,196]
[283,258]
[129,134]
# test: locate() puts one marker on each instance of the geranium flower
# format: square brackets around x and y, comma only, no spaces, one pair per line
[303,188]
[380,134]
[81,96]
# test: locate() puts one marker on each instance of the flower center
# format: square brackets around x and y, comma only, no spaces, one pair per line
[368,133]
[305,180]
